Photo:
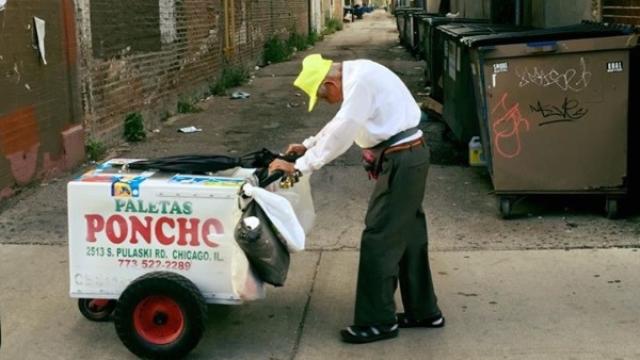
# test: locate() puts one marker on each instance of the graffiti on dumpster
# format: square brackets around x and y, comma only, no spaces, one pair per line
[571,79]
[568,111]
[506,128]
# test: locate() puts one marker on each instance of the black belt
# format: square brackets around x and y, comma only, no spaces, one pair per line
[396,138]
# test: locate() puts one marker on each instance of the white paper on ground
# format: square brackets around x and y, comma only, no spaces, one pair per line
[282,216]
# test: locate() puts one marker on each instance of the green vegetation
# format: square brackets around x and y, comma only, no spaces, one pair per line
[332,26]
[230,77]
[187,107]
[95,150]
[166,115]
[276,50]
[134,127]
[297,42]
[313,38]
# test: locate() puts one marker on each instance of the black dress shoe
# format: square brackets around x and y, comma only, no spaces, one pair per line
[436,321]
[365,334]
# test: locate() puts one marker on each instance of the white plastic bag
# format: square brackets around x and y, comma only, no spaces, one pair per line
[281,214]
[299,195]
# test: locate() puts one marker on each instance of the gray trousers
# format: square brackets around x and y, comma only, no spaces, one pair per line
[394,243]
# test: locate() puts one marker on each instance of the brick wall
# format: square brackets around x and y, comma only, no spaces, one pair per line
[40,131]
[143,56]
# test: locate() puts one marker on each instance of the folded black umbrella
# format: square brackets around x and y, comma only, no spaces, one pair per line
[203,164]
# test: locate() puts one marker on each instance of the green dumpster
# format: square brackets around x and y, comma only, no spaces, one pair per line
[404,23]
[408,34]
[434,51]
[634,129]
[553,106]
[458,98]
[421,34]
[399,13]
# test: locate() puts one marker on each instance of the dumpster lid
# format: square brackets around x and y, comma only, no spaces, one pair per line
[441,20]
[409,9]
[459,30]
[425,16]
[419,13]
[577,31]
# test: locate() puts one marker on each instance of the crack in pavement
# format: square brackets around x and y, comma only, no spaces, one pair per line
[300,331]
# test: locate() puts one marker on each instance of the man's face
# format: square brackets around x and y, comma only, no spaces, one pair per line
[331,91]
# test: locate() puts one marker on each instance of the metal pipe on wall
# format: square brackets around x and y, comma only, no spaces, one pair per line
[310,15]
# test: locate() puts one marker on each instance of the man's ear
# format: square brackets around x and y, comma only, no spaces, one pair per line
[330,84]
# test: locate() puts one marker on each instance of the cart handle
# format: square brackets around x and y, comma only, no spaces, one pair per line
[276,175]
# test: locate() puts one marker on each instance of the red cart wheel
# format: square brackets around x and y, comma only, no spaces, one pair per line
[161,315]
[158,320]
[96,309]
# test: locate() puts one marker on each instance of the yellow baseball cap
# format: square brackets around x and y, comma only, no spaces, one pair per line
[314,70]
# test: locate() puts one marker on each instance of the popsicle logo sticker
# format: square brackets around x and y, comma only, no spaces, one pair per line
[121,189]
[127,186]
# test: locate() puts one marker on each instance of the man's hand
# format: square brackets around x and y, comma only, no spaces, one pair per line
[279,164]
[297,149]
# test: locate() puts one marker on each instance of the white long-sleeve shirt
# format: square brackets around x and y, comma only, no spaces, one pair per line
[376,105]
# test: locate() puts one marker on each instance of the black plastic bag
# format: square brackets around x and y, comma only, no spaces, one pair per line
[267,254]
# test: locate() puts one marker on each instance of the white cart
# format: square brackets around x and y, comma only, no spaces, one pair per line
[155,248]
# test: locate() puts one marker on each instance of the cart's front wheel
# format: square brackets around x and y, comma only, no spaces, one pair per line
[161,315]
[96,309]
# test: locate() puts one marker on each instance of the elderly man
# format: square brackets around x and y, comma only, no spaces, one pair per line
[379,114]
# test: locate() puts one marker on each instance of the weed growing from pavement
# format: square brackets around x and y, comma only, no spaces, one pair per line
[313,38]
[187,107]
[95,150]
[165,116]
[332,26]
[276,50]
[134,127]
[229,77]
[297,42]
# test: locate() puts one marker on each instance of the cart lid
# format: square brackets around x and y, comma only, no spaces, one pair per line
[577,31]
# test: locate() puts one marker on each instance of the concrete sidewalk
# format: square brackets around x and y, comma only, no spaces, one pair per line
[548,304]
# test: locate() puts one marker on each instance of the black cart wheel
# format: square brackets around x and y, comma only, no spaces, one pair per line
[612,207]
[96,309]
[161,315]
[506,205]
